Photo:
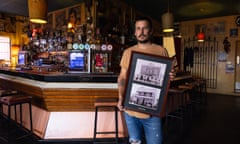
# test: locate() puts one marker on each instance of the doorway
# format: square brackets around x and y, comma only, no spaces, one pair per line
[237,67]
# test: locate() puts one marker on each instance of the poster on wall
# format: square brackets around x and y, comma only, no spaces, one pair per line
[229,67]
[234,33]
[222,56]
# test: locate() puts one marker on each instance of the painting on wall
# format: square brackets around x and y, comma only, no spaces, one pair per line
[8,24]
[74,15]
[49,24]
[216,28]
[60,19]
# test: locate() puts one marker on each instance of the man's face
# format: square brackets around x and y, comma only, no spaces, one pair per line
[142,31]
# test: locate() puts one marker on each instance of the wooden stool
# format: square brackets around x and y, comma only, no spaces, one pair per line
[176,111]
[14,100]
[202,89]
[191,102]
[6,92]
[107,105]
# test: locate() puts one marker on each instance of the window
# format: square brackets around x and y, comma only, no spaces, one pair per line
[4,48]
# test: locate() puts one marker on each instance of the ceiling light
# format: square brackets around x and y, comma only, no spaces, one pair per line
[37,10]
[167,21]
[200,37]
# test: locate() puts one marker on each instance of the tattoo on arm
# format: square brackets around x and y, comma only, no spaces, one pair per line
[121,82]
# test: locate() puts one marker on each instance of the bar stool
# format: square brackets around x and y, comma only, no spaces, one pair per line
[191,96]
[6,92]
[106,104]
[14,100]
[176,110]
[202,90]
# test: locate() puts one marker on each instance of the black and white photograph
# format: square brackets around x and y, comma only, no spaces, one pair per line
[150,72]
[144,96]
[147,83]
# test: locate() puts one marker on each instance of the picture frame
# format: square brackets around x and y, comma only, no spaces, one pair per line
[147,83]
[60,19]
[234,32]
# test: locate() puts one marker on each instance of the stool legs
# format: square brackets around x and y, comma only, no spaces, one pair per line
[15,117]
[30,118]
[95,125]
[107,132]
[8,122]
[116,124]
[179,112]
[30,115]
[15,109]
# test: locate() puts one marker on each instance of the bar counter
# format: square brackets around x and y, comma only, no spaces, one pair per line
[63,104]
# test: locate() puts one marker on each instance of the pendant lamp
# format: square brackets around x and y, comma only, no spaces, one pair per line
[37,10]
[200,36]
[167,21]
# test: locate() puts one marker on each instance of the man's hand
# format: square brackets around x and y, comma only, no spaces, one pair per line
[121,87]
[172,74]
[120,104]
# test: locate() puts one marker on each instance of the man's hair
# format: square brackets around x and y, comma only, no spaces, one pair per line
[145,19]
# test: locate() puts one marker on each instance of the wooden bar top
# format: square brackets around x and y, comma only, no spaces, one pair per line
[55,103]
[62,76]
[62,96]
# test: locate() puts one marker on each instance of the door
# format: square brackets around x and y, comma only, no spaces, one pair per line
[237,67]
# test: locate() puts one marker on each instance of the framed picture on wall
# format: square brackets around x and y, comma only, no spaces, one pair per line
[147,83]
[1,26]
[49,24]
[60,19]
[74,15]
[234,32]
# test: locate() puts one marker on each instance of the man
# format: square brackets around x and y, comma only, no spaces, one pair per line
[137,121]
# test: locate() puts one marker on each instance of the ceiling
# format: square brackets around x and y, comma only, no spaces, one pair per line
[182,9]
[187,9]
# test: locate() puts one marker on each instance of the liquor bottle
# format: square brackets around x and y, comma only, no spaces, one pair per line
[98,39]
[69,45]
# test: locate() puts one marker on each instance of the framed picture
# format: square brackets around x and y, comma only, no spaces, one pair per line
[1,26]
[60,19]
[49,25]
[147,83]
[234,32]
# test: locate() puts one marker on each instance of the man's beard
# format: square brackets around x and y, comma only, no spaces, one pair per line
[143,41]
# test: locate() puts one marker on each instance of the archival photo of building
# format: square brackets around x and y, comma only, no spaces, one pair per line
[150,72]
[144,96]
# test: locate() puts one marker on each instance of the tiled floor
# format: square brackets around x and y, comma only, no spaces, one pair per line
[218,122]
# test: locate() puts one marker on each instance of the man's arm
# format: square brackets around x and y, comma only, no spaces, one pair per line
[121,87]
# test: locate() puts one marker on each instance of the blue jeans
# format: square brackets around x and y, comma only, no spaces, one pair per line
[150,126]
